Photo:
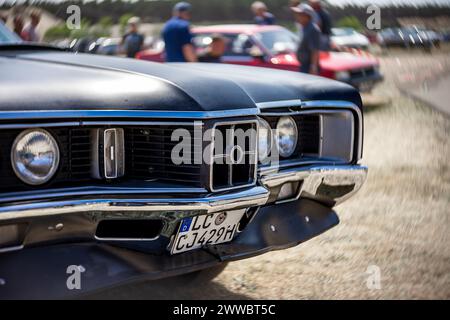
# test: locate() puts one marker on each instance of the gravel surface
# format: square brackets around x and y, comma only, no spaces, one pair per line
[399,221]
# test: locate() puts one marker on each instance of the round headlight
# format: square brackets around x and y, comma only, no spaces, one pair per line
[286,136]
[35,156]
[264,140]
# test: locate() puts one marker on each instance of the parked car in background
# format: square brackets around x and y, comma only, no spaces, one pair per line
[108,46]
[125,170]
[82,45]
[446,35]
[274,47]
[409,37]
[348,37]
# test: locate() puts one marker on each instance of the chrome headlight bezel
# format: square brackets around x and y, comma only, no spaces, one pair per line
[264,129]
[294,134]
[25,174]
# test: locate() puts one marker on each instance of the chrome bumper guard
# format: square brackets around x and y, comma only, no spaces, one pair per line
[312,179]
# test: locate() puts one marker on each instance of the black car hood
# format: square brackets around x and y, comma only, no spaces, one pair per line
[48,80]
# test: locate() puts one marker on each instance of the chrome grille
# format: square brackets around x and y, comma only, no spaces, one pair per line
[148,155]
[147,158]
[226,171]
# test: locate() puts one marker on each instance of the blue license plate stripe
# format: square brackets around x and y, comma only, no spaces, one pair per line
[185,225]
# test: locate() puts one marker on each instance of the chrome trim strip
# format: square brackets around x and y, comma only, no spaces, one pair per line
[345,105]
[65,114]
[39,125]
[256,196]
[94,190]
[292,163]
[313,177]
[113,153]
[138,123]
[280,104]
[10,249]
[313,104]
[211,167]
[320,162]
[96,123]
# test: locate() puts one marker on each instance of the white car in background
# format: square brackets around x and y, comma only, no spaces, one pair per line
[348,37]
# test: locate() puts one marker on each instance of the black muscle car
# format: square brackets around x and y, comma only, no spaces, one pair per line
[116,170]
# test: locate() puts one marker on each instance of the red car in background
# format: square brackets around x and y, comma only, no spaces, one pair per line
[274,47]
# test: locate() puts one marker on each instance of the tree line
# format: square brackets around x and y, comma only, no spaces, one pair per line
[223,10]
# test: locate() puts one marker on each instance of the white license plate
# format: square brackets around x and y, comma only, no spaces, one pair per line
[214,228]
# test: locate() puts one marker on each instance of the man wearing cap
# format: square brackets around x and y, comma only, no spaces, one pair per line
[324,23]
[308,49]
[177,35]
[132,41]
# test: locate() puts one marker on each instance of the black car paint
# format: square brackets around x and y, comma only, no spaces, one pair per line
[48,80]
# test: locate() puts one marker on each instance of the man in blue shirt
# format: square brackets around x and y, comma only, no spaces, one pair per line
[323,22]
[308,49]
[262,16]
[177,35]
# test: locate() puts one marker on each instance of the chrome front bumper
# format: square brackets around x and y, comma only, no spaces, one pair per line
[311,178]
[275,226]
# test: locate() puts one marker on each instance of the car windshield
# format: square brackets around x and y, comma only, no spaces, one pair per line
[7,36]
[278,41]
[340,32]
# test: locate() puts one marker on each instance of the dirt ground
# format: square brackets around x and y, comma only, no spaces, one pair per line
[399,221]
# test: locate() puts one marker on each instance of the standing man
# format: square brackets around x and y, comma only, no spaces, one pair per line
[262,16]
[29,33]
[308,49]
[177,35]
[132,41]
[324,23]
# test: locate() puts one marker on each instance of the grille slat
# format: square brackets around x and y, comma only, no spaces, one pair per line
[149,156]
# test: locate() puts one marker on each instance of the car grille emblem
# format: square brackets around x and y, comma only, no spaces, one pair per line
[108,153]
[113,153]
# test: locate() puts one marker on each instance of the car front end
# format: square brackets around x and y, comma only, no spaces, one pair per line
[90,180]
